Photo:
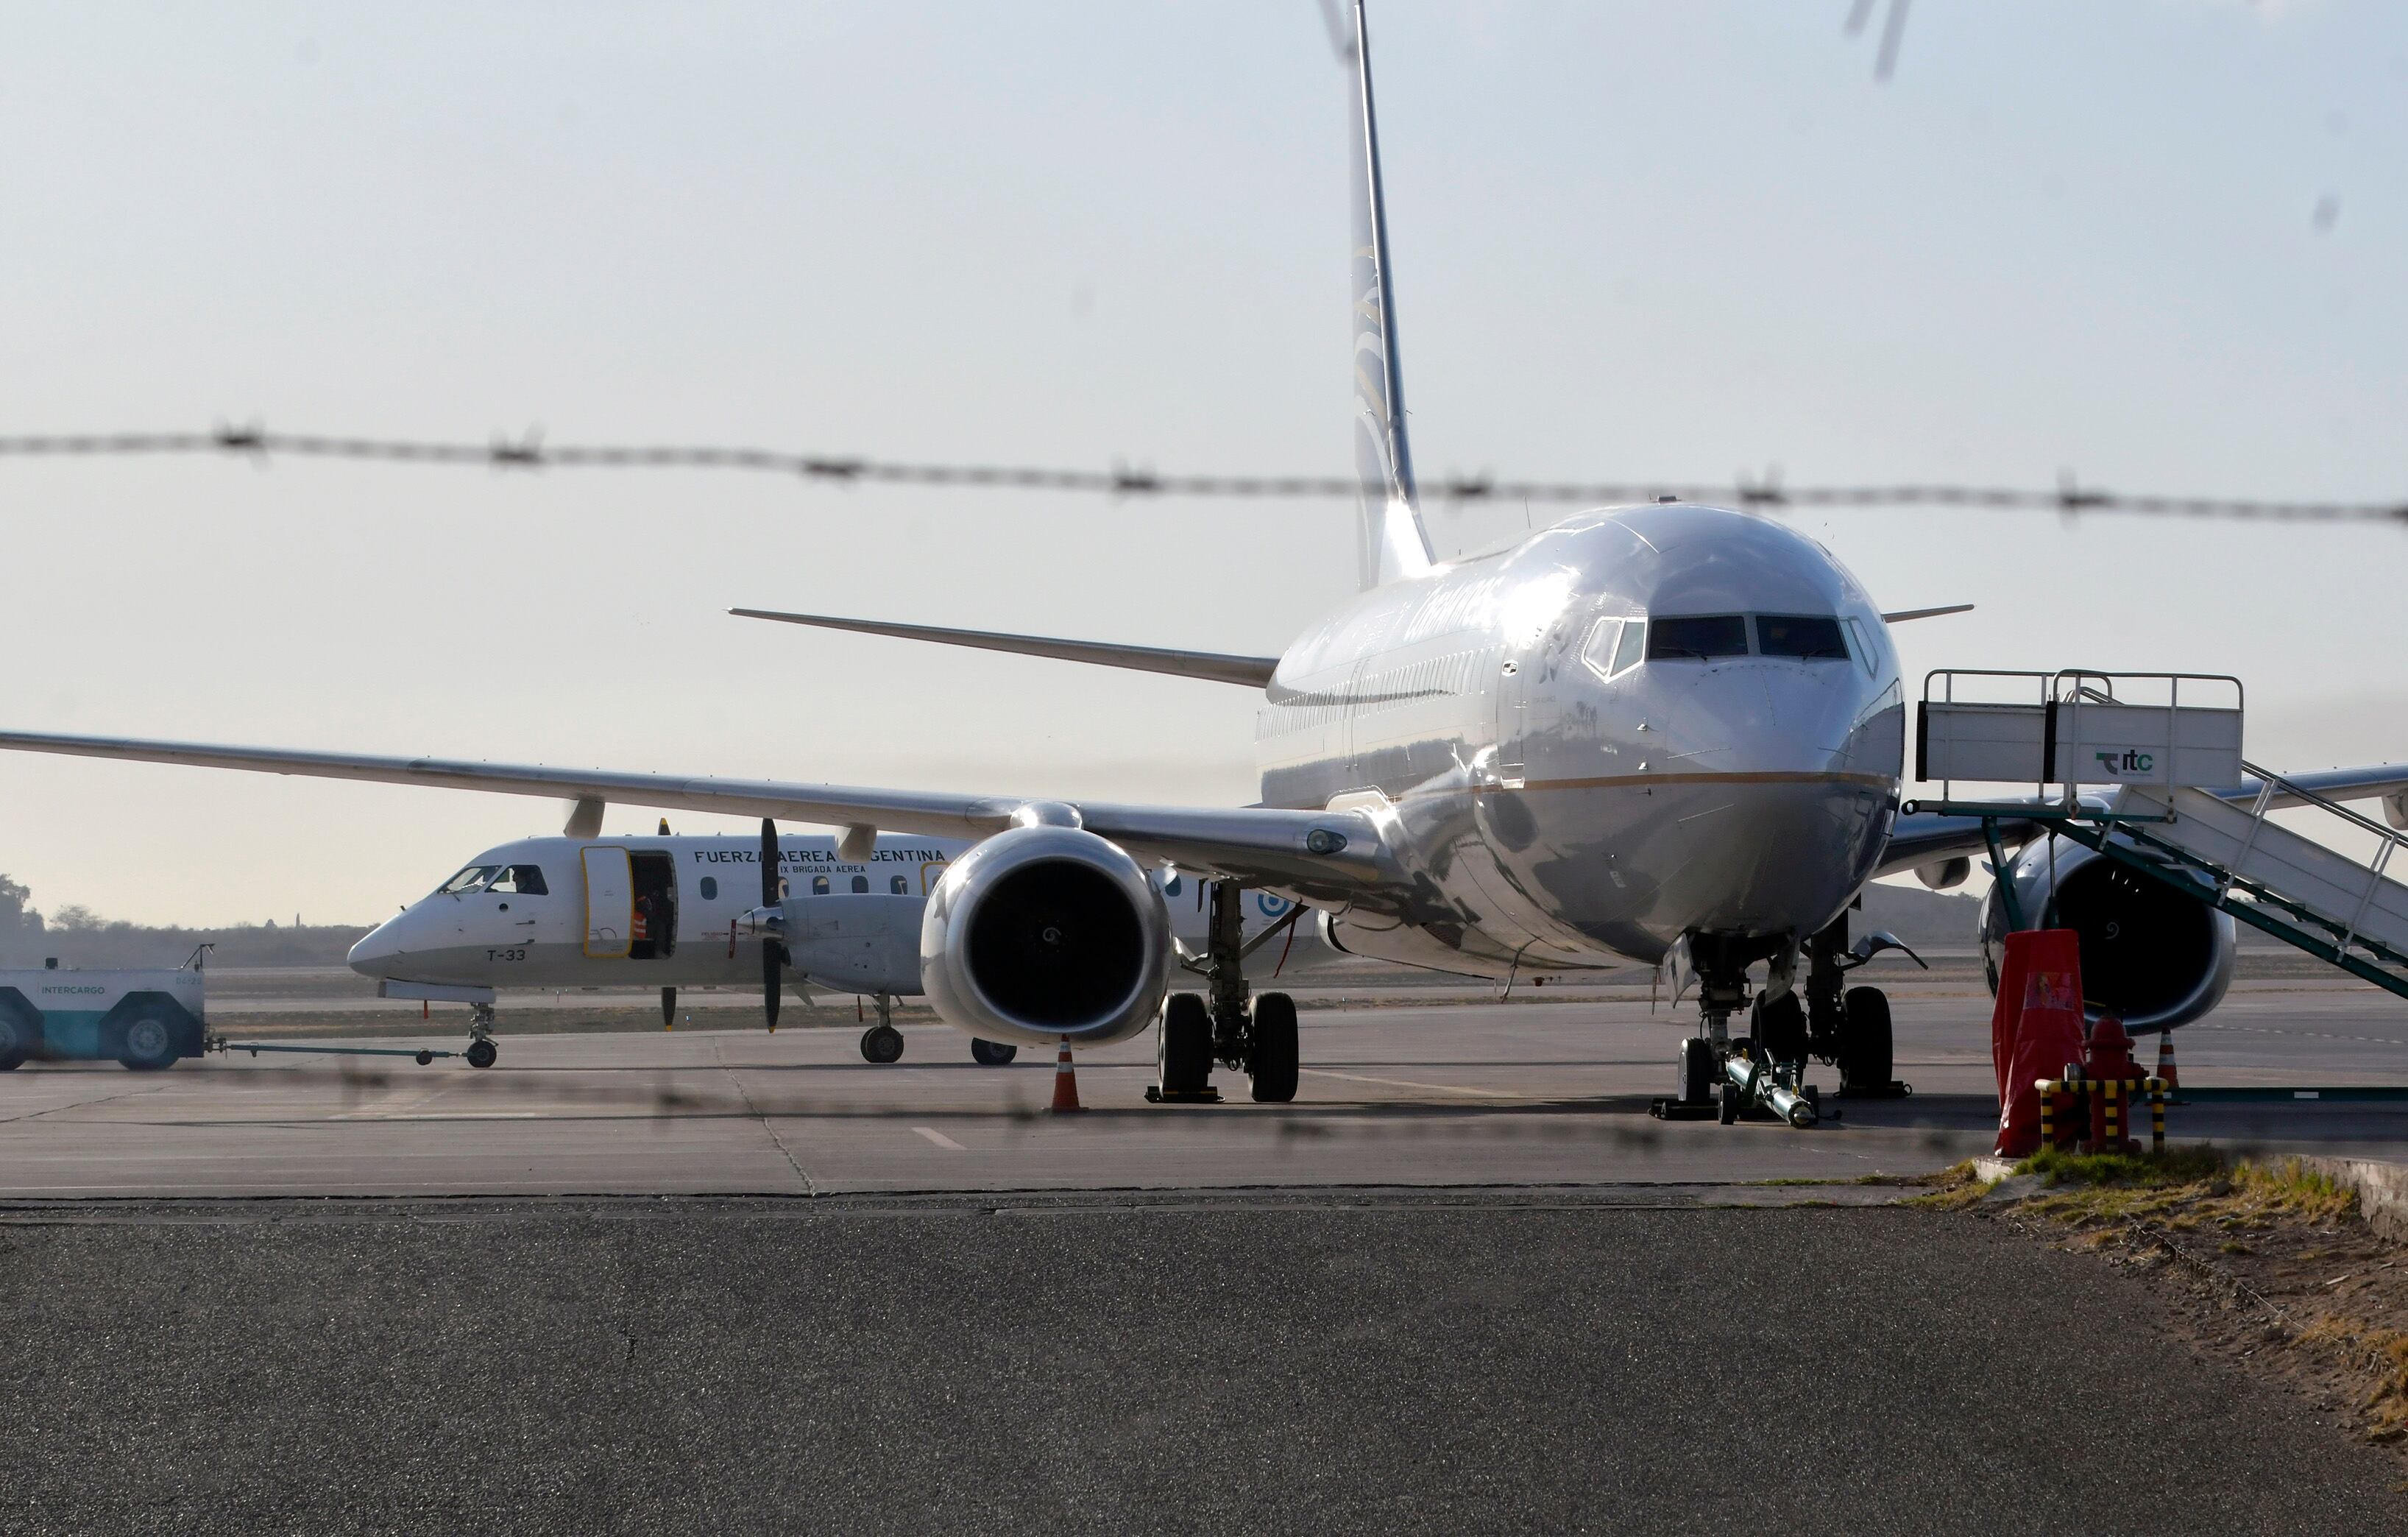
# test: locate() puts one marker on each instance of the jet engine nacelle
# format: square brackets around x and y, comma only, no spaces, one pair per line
[1043,934]
[2152,957]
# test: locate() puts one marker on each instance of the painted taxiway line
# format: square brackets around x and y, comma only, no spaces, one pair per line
[940,1138]
[1407,1083]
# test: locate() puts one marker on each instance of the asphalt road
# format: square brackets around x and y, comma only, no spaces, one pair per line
[1405,1363]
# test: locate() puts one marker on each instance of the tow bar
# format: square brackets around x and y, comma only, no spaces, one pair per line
[425,1055]
[1750,1080]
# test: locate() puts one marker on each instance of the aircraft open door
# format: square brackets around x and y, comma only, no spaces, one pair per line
[610,902]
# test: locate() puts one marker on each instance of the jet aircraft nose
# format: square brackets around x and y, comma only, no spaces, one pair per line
[1784,775]
[1755,717]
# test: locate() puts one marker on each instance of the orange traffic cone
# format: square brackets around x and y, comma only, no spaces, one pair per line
[2166,1058]
[1066,1082]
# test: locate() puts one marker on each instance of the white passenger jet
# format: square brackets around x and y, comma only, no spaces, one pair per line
[1663,735]
[676,912]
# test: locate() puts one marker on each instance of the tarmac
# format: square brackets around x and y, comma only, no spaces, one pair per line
[1398,1092]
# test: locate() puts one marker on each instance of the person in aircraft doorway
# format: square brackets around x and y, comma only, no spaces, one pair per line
[639,929]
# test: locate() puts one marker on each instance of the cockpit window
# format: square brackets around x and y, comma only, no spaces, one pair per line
[1613,644]
[1864,647]
[525,880]
[1811,639]
[1634,644]
[1696,636]
[467,880]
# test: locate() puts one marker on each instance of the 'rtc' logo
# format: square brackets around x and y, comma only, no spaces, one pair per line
[2127,762]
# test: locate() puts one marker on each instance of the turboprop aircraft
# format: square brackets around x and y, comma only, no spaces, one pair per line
[672,913]
[1670,735]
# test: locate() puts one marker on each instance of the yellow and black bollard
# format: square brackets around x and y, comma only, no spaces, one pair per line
[2157,1087]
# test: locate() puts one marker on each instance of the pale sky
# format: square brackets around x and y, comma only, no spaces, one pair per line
[1631,242]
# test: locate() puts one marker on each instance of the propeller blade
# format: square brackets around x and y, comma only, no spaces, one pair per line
[773,962]
[668,1007]
[773,956]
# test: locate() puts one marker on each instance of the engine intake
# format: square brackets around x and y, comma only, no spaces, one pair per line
[1043,934]
[2151,956]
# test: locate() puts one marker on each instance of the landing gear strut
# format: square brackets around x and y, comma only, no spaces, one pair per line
[1849,1027]
[482,1052]
[1255,1036]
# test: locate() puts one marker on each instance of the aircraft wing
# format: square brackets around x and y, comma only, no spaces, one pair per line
[1924,838]
[1317,853]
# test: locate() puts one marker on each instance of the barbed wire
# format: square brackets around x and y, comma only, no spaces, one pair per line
[532,453]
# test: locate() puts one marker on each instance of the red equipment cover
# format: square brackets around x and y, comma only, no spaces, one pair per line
[2035,1029]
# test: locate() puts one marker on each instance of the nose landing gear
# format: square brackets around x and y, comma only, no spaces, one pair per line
[482,1052]
[1761,1073]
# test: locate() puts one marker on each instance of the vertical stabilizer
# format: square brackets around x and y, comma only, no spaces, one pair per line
[1393,542]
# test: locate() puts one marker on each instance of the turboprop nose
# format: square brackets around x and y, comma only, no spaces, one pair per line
[382,947]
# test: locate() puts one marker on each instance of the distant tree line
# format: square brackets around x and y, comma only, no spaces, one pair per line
[79,937]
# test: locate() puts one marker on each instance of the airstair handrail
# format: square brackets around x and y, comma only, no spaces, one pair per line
[2267,777]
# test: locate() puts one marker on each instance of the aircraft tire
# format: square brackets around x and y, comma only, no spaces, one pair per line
[1780,1027]
[1272,1051]
[1865,1057]
[1183,1064]
[481,1054]
[992,1053]
[150,1043]
[1695,1083]
[882,1045]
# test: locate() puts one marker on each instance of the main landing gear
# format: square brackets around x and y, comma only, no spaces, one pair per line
[882,1043]
[1764,1072]
[1256,1035]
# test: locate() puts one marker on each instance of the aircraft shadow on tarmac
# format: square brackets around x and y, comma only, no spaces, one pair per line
[1607,1117]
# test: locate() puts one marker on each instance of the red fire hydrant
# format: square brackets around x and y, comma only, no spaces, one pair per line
[2107,1060]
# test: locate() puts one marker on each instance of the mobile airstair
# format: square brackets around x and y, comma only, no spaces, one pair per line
[2147,770]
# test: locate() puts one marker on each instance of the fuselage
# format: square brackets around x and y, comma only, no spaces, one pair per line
[1635,724]
[557,913]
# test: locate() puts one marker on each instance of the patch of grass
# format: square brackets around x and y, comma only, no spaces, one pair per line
[2234,1246]
[2381,1351]
[1952,1188]
[2180,1165]
[2292,1187]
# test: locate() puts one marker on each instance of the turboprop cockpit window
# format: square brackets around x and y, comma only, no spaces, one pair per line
[1807,638]
[525,880]
[1698,637]
[467,880]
